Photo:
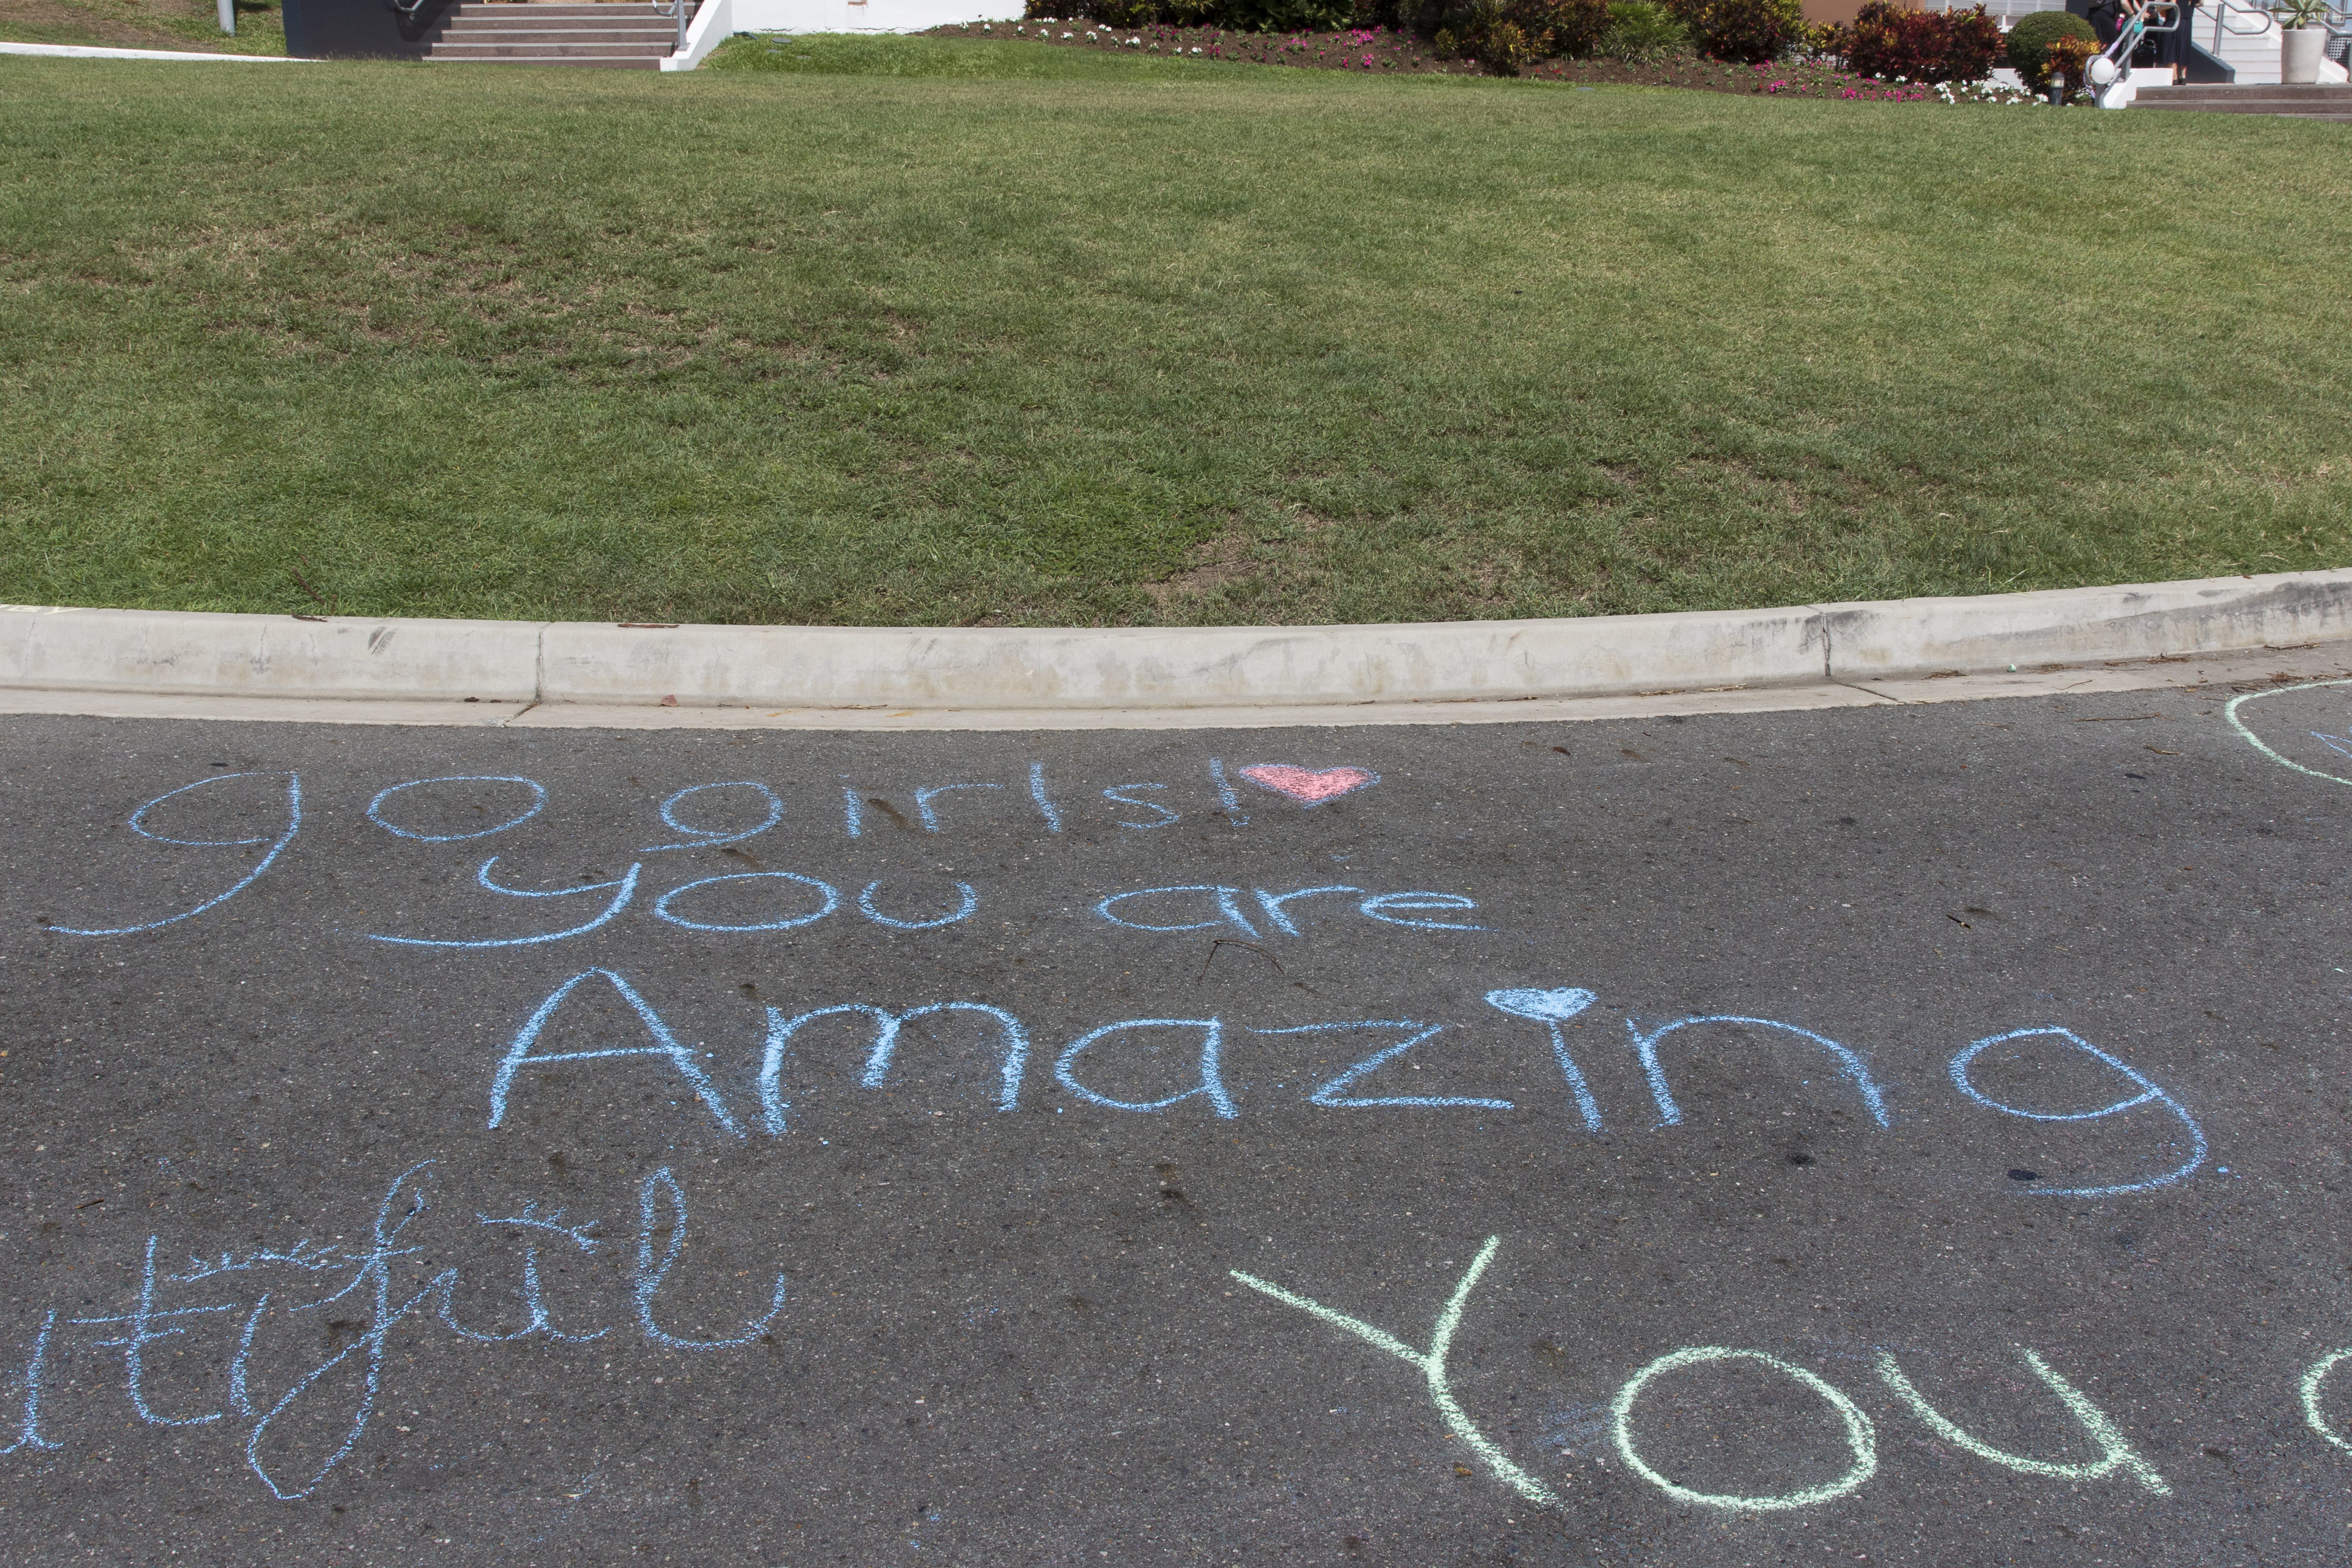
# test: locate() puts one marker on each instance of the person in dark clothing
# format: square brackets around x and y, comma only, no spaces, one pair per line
[2160,51]
[2172,47]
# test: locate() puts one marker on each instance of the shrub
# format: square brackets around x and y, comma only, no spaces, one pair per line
[1921,46]
[1820,40]
[1110,13]
[1507,35]
[1572,27]
[1483,32]
[1286,16]
[2029,41]
[1642,33]
[1753,32]
[1257,15]
[2068,59]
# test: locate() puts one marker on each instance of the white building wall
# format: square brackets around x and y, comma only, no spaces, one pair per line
[717,20]
[864,16]
[2247,42]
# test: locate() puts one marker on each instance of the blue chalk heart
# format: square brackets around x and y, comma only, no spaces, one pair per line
[1546,1006]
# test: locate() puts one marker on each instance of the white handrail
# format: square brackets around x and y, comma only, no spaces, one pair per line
[2147,18]
[2225,9]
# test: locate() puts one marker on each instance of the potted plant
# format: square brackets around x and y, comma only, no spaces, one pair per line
[2302,37]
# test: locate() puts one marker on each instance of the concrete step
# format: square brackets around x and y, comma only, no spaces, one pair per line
[627,35]
[2301,101]
[522,17]
[610,62]
[600,49]
[2288,111]
[467,18]
[2224,93]
[633,33]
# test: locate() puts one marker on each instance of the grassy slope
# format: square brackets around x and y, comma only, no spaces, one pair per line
[1163,342]
[189,24]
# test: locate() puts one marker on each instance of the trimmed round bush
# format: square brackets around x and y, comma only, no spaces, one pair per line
[2029,41]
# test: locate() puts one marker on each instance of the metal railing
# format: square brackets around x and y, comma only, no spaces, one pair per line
[2236,18]
[2262,21]
[2150,19]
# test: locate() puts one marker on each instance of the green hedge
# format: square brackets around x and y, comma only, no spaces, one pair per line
[2029,41]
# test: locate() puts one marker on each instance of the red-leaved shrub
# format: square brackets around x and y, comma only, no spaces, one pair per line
[1921,46]
[1753,32]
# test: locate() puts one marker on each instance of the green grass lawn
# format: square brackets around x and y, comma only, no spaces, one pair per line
[934,332]
[191,26]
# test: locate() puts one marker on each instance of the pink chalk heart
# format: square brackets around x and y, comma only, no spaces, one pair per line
[1306,786]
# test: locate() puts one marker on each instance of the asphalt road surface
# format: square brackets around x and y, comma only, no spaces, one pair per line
[1909,1134]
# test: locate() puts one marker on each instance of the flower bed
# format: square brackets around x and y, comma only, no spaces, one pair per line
[1373,50]
[1386,51]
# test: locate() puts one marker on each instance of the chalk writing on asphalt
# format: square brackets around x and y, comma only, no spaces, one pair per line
[224,1346]
[460,809]
[1207,1043]
[2278,729]
[275,1296]
[2116,1456]
[240,1330]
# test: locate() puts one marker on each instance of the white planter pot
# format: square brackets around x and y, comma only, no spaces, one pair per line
[2299,53]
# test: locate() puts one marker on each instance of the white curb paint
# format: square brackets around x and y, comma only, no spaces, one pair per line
[1149,671]
[93,52]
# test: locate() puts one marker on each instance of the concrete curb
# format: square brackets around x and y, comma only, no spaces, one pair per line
[1133,671]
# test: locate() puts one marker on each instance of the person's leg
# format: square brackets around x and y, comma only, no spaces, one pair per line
[2172,47]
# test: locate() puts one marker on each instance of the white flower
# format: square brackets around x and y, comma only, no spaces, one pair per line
[1066,35]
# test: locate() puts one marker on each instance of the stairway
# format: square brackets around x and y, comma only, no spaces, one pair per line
[2332,103]
[623,36]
